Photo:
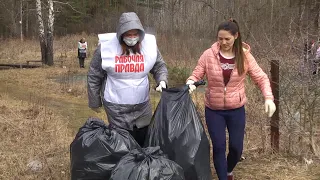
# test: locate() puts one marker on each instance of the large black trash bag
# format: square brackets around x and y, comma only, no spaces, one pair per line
[96,150]
[147,164]
[176,127]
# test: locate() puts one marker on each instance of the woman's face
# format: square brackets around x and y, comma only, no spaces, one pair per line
[131,33]
[226,40]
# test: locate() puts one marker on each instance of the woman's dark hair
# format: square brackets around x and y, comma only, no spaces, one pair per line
[82,40]
[233,27]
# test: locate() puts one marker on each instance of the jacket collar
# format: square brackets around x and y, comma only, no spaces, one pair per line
[216,48]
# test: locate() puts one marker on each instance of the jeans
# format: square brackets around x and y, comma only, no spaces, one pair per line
[217,122]
[81,62]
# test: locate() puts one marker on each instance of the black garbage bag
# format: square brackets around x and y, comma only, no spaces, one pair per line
[147,164]
[96,150]
[176,127]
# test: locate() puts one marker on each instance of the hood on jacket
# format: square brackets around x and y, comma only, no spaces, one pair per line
[129,21]
[216,48]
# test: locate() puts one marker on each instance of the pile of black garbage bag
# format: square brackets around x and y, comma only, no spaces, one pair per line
[176,147]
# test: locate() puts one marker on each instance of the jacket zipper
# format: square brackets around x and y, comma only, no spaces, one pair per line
[224,97]
[225,86]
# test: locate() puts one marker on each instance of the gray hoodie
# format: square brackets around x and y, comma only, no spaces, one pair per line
[123,115]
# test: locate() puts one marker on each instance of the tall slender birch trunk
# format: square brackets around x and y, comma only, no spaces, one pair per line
[46,37]
[42,39]
[21,21]
[50,34]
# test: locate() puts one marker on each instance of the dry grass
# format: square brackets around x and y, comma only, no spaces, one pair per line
[260,162]
[42,109]
[38,120]
[31,132]
[275,167]
[14,51]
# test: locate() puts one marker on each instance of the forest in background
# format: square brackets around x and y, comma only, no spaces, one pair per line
[260,19]
[273,28]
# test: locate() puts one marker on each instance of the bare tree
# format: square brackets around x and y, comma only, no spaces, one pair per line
[50,33]
[12,13]
[317,18]
[46,37]
[42,39]
[20,22]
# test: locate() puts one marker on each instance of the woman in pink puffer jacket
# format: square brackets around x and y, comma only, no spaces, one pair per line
[225,66]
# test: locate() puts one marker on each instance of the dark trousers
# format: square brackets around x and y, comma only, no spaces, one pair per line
[139,134]
[217,122]
[81,62]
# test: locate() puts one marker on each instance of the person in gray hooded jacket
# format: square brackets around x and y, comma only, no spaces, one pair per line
[118,76]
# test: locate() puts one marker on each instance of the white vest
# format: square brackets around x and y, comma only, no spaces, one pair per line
[106,37]
[127,76]
[82,47]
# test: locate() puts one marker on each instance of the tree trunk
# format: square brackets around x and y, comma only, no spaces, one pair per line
[13,27]
[27,21]
[50,34]
[302,7]
[42,39]
[21,20]
[317,19]
[271,20]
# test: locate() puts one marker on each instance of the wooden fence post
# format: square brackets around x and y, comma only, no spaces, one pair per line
[275,118]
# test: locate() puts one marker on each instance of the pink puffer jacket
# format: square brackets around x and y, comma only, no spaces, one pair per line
[221,97]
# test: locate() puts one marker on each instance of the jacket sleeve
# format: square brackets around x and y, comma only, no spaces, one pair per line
[95,80]
[159,70]
[259,77]
[200,70]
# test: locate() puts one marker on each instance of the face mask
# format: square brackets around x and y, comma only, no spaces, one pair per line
[131,41]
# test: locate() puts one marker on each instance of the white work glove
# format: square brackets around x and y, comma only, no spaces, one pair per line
[270,107]
[191,86]
[162,84]
[97,110]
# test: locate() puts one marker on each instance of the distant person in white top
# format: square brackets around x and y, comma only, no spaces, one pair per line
[82,51]
[313,55]
[317,58]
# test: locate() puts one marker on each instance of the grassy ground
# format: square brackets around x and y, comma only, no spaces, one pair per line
[42,109]
[41,118]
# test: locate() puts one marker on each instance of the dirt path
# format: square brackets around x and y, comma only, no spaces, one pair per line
[76,110]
